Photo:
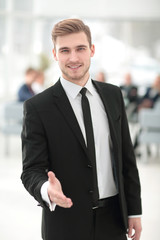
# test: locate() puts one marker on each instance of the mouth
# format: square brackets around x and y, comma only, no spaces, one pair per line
[74,67]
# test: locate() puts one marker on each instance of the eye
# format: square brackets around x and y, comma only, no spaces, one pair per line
[64,51]
[81,49]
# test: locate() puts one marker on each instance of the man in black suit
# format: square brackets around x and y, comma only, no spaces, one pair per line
[78,159]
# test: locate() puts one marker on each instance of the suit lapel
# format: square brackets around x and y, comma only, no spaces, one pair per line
[66,110]
[106,99]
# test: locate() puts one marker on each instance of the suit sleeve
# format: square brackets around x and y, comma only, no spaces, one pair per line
[34,152]
[130,172]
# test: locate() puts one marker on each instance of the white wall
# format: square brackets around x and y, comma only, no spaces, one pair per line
[108,9]
[25,31]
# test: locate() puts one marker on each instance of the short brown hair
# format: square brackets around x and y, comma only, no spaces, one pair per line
[30,70]
[69,26]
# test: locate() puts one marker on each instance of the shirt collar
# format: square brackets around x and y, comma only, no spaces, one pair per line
[73,89]
[89,86]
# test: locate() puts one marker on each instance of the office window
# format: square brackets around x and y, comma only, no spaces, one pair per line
[2,4]
[23,5]
[47,44]
[2,32]
[22,35]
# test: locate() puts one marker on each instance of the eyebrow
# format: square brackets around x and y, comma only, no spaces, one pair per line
[82,45]
[63,48]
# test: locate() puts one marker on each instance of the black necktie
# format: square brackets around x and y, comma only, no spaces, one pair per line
[90,141]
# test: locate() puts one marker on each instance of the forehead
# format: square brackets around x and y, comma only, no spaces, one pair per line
[72,40]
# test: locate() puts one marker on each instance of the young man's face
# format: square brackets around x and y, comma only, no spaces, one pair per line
[73,54]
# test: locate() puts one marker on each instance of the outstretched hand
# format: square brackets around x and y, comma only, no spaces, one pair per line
[55,192]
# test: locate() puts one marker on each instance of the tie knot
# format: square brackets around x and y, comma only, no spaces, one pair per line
[83,91]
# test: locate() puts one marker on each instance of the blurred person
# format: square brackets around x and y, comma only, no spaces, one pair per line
[38,84]
[101,77]
[87,191]
[130,96]
[129,90]
[25,92]
[149,99]
[151,96]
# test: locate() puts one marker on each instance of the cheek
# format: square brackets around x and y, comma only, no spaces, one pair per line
[60,59]
[87,58]
[61,62]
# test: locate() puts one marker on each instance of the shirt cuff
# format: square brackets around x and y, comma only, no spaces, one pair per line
[45,197]
[135,216]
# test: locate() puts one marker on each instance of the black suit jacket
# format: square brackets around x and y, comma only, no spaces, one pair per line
[52,140]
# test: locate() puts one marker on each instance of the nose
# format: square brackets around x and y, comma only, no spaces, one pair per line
[73,56]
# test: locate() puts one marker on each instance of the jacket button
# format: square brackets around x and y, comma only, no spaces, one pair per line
[89,166]
[90,191]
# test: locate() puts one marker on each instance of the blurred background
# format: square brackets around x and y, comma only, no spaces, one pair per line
[126,35]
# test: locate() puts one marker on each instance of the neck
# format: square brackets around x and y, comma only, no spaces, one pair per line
[80,82]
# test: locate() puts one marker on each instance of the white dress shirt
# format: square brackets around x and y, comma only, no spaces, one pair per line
[106,184]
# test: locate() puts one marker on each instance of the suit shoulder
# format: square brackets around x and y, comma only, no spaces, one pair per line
[42,98]
[112,86]
[107,86]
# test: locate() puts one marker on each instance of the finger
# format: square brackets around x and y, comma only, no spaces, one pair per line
[66,204]
[133,237]
[51,177]
[57,197]
[130,231]
[60,196]
[62,200]
[69,203]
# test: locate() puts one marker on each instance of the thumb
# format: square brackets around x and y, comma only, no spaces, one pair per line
[51,177]
[130,231]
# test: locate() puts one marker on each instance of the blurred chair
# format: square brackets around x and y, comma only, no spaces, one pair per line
[157,106]
[149,120]
[11,114]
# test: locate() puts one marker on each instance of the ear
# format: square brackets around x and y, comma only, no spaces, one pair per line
[92,50]
[54,54]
